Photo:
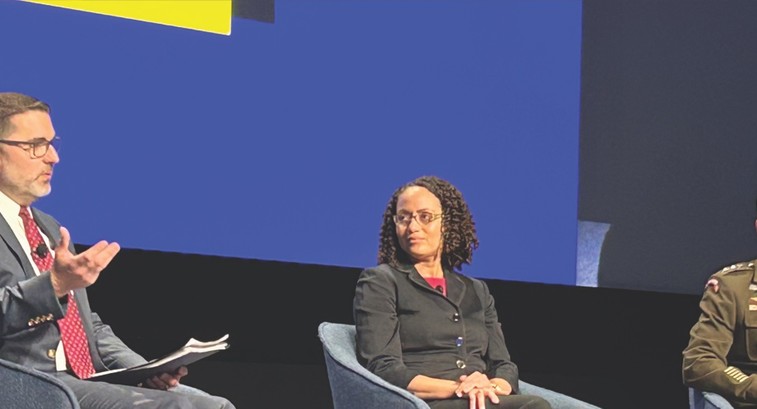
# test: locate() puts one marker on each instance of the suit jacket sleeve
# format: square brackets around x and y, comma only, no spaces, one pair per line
[378,340]
[26,303]
[499,364]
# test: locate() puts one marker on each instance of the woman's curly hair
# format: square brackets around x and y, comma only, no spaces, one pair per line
[459,238]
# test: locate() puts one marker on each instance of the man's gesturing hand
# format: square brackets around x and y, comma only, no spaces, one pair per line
[72,271]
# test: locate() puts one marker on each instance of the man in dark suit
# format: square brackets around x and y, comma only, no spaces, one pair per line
[45,319]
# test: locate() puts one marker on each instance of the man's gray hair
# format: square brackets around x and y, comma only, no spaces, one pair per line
[13,103]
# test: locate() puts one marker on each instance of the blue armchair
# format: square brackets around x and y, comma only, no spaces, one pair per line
[707,400]
[353,386]
[25,388]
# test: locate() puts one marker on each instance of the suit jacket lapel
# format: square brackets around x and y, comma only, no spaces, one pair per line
[415,276]
[49,231]
[12,242]
[455,285]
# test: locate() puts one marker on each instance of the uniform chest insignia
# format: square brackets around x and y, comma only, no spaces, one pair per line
[753,304]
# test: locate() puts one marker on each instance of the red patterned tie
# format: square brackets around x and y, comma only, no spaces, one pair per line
[71,329]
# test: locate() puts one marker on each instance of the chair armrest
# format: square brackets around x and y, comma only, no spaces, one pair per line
[28,388]
[352,385]
[707,400]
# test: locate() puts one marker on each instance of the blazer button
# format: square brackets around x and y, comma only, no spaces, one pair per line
[51,353]
[459,342]
[460,363]
[456,317]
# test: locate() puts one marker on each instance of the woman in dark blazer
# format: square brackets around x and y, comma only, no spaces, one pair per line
[420,324]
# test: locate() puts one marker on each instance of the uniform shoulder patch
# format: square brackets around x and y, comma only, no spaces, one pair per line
[712,284]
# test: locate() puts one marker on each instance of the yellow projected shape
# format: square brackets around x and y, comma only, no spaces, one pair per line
[213,16]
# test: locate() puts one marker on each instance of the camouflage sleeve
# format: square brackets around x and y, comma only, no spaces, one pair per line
[705,366]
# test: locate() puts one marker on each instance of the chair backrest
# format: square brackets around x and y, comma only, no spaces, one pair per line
[353,386]
[591,236]
[24,388]
[707,400]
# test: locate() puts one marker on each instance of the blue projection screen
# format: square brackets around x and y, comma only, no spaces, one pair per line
[284,140]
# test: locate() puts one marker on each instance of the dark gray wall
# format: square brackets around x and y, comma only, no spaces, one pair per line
[667,139]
